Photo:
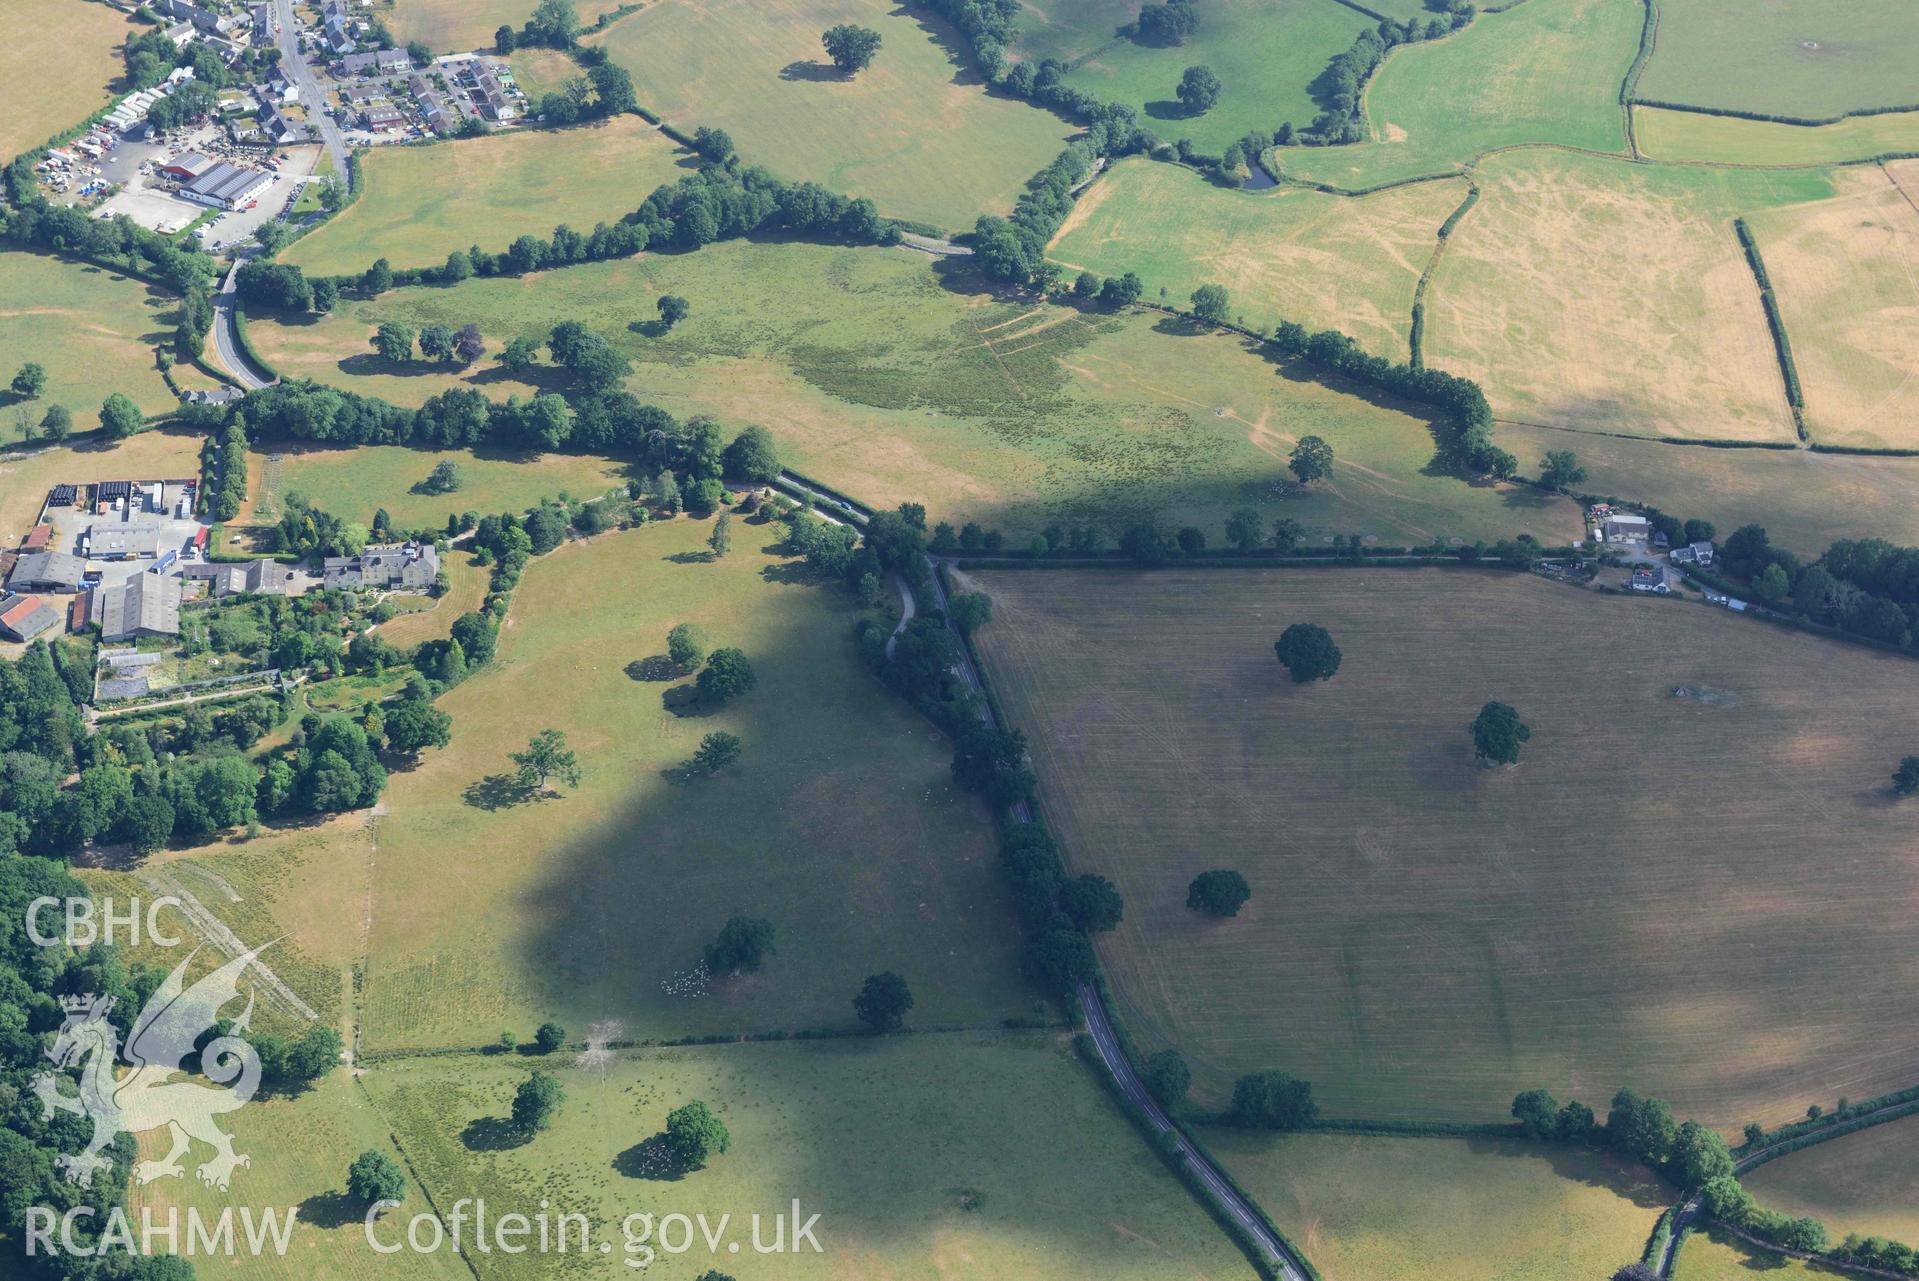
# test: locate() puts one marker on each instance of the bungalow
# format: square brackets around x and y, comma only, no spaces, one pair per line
[383,116]
[1649,578]
[1622,528]
[47,572]
[139,605]
[25,617]
[1700,554]
[217,396]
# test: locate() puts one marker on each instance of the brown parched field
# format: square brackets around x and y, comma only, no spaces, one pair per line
[1846,271]
[1695,882]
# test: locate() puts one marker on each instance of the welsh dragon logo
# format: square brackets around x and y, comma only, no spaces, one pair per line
[147,1097]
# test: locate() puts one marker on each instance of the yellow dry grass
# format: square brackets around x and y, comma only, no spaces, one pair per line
[1367,1208]
[1846,272]
[1328,262]
[1583,292]
[58,59]
[1426,938]
[26,476]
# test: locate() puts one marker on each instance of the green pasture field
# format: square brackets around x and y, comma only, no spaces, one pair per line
[840,823]
[1365,1208]
[1069,29]
[916,132]
[1546,71]
[93,330]
[27,475]
[300,1148]
[879,378]
[1427,938]
[1687,135]
[355,482]
[540,71]
[1715,1255]
[455,26]
[421,203]
[1327,262]
[1846,274]
[1805,58]
[59,61]
[1593,293]
[1866,1182]
[1265,52]
[971,1156]
[1805,500]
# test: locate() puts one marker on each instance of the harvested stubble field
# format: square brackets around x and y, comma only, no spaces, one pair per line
[1546,71]
[961,1157]
[421,203]
[353,483]
[456,26]
[916,132]
[1807,58]
[1866,1182]
[1266,54]
[1846,273]
[1688,135]
[59,61]
[492,909]
[1594,293]
[92,330]
[1366,1208]
[879,377]
[1804,499]
[1327,262]
[1426,938]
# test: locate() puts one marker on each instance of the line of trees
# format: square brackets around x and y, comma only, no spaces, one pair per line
[1341,87]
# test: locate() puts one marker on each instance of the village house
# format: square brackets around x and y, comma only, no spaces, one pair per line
[1623,528]
[258,577]
[1700,554]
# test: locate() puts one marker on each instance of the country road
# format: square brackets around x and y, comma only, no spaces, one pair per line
[226,336]
[1107,1040]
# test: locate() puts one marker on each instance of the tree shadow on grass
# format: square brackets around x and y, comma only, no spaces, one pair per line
[807,69]
[501,791]
[492,1134]
[654,667]
[794,573]
[690,558]
[650,328]
[686,702]
[1171,109]
[331,1210]
[542,377]
[651,1159]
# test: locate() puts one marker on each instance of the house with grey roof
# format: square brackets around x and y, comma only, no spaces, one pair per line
[397,567]
[254,577]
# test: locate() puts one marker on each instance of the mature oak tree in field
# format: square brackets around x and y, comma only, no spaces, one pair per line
[695,1134]
[741,947]
[120,417]
[726,676]
[673,309]
[535,1102]
[1210,303]
[1221,892]
[851,48]
[394,341]
[546,757]
[883,1001]
[375,1176]
[686,646]
[1306,650]
[1167,1077]
[1498,733]
[1198,90]
[1311,460]
[716,751]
